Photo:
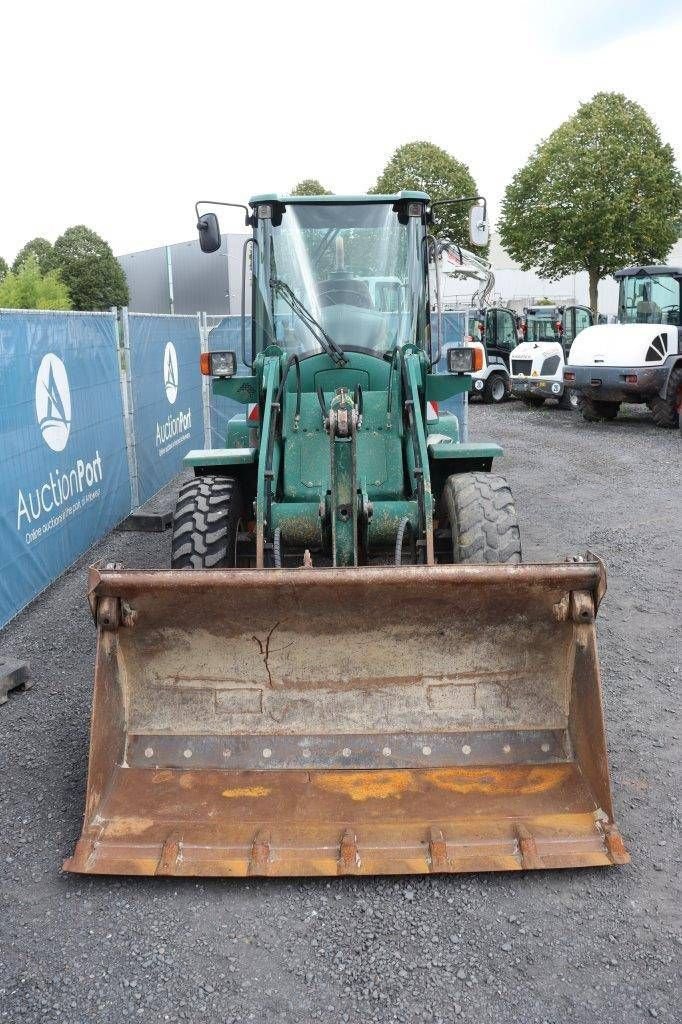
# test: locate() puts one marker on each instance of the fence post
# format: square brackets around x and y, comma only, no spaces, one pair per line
[205,381]
[128,410]
[169,271]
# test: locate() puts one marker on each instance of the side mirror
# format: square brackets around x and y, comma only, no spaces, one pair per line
[478,226]
[209,232]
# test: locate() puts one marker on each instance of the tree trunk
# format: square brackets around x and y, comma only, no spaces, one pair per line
[594,299]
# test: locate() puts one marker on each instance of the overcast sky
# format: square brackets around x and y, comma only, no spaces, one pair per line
[119,115]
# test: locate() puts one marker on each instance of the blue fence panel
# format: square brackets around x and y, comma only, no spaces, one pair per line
[64,478]
[166,393]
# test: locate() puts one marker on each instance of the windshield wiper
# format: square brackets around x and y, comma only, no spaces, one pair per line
[325,340]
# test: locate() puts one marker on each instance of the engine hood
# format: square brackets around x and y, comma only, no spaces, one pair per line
[622,344]
[537,350]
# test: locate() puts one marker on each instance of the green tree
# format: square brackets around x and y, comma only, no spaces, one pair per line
[38,247]
[424,167]
[600,193]
[309,187]
[28,288]
[90,270]
[3,268]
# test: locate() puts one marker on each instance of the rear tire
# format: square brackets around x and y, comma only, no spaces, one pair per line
[667,412]
[483,520]
[534,401]
[594,411]
[494,389]
[205,524]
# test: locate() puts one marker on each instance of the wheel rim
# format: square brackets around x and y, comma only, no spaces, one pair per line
[573,399]
[497,390]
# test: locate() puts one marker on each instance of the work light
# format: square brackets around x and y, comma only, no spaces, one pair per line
[219,364]
[460,360]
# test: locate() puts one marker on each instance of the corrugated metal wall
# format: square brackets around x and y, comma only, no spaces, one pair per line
[192,279]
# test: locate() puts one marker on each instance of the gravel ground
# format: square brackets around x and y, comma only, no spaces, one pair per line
[585,945]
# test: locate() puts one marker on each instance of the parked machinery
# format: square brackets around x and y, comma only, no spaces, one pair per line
[495,332]
[537,364]
[638,359]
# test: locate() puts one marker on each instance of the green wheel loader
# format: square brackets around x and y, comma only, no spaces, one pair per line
[348,669]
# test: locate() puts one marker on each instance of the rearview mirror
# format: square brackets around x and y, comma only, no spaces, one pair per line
[209,232]
[478,226]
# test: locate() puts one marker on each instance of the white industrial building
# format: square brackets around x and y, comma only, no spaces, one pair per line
[517,288]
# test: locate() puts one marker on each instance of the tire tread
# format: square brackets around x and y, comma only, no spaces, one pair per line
[483,519]
[204,533]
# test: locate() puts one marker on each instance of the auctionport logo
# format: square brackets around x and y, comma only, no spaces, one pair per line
[177,428]
[170,372]
[66,489]
[53,402]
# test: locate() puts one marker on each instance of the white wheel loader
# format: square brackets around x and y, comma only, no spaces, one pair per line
[492,331]
[639,359]
[537,364]
[495,332]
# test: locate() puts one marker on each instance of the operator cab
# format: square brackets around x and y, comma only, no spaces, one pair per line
[354,269]
[561,324]
[649,295]
[497,330]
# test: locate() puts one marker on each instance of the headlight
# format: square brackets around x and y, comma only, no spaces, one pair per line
[460,360]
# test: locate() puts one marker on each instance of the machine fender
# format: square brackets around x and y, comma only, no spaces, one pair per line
[472,451]
[441,386]
[201,458]
[671,364]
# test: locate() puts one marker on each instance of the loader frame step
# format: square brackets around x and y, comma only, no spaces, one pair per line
[14,675]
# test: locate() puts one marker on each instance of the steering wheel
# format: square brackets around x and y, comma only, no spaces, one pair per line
[345,292]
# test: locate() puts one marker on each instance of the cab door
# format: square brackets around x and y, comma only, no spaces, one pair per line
[500,336]
[575,319]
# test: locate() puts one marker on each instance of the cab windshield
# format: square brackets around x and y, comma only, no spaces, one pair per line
[542,326]
[353,267]
[649,300]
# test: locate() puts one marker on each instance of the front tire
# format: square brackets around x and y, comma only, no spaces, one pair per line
[595,412]
[205,524]
[667,412]
[494,389]
[569,399]
[484,525]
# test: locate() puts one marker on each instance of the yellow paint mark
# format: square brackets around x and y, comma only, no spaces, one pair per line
[508,781]
[246,791]
[359,785]
[127,826]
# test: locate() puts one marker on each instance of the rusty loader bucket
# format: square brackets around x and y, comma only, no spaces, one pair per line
[347,721]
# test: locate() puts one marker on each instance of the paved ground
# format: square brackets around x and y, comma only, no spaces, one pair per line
[593,945]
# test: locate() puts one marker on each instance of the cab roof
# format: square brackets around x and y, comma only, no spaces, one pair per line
[278,197]
[658,270]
